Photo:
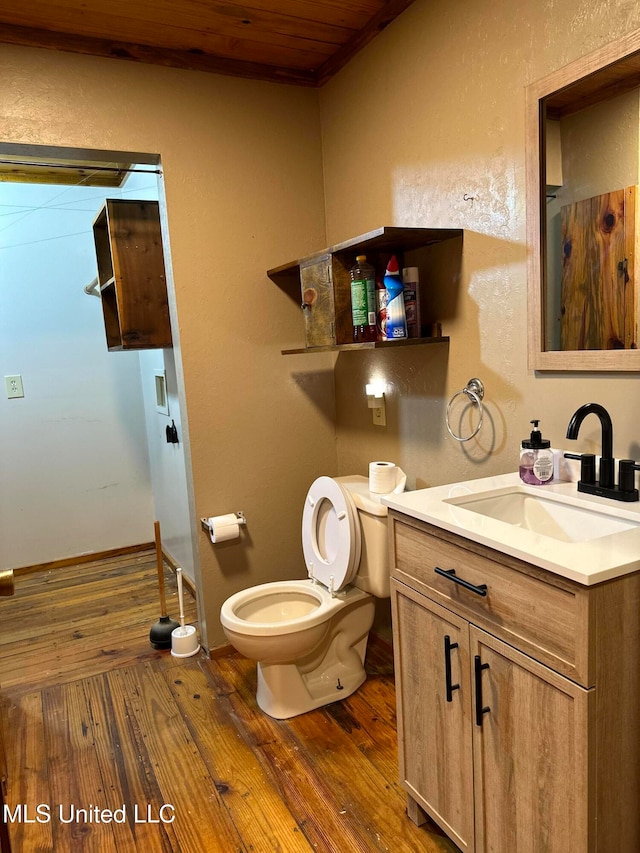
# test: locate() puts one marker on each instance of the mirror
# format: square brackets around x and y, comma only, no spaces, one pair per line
[583,214]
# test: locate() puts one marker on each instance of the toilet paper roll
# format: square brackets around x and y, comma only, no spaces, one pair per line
[385,478]
[223,527]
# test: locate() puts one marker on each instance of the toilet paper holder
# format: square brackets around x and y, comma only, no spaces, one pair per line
[240,519]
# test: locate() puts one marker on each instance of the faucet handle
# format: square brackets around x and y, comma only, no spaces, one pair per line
[626,475]
[587,466]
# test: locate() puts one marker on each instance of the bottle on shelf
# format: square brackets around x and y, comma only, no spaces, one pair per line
[363,306]
[411,285]
[396,321]
[382,297]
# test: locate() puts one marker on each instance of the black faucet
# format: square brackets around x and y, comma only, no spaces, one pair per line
[607,463]
[605,487]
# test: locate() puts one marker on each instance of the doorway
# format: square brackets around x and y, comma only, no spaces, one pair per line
[88,467]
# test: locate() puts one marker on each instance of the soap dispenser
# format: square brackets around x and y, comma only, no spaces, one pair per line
[536,459]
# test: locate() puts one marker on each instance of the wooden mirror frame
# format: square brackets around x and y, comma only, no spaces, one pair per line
[603,74]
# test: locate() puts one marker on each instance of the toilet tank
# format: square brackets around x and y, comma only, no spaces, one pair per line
[373,572]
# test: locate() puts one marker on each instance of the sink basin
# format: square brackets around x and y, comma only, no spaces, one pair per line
[582,538]
[544,515]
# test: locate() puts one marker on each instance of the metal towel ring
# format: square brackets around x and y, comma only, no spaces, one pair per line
[474,390]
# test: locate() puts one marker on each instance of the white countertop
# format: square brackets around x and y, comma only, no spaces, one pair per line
[587,562]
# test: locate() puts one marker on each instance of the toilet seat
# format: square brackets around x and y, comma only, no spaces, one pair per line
[331,538]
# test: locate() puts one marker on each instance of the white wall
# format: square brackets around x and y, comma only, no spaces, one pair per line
[167,461]
[75,469]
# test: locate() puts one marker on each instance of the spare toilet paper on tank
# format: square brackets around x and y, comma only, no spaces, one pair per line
[223,527]
[385,478]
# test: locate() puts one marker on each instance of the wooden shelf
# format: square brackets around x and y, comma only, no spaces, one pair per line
[404,342]
[321,283]
[131,275]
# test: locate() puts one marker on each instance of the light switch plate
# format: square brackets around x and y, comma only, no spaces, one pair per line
[14,386]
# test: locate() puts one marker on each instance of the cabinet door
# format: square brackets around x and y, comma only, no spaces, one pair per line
[530,742]
[318,302]
[434,711]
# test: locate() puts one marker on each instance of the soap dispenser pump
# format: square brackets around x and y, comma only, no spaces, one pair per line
[536,459]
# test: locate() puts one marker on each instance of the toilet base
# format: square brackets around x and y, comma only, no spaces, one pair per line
[284,691]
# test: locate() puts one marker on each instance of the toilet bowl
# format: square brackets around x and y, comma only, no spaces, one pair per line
[309,637]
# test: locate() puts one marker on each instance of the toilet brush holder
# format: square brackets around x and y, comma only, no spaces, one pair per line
[184,642]
[184,639]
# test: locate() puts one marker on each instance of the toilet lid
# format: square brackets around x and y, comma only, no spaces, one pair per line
[330,533]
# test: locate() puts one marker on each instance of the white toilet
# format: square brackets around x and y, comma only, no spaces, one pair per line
[309,637]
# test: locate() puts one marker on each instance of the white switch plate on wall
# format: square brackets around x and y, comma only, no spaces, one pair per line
[14,386]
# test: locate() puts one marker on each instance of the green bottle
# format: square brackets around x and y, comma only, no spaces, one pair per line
[363,301]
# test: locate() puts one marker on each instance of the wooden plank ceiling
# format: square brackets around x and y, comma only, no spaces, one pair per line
[49,170]
[301,42]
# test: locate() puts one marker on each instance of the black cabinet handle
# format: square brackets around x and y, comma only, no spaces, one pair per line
[480,709]
[481,589]
[448,645]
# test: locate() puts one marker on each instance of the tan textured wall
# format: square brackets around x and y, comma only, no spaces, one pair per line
[243,182]
[430,111]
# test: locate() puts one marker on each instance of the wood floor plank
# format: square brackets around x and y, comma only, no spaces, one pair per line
[201,820]
[74,577]
[89,622]
[85,558]
[251,799]
[100,562]
[69,641]
[26,750]
[373,737]
[365,791]
[89,660]
[309,795]
[95,716]
[126,772]
[88,783]
[369,718]
[74,778]
[91,594]
[84,574]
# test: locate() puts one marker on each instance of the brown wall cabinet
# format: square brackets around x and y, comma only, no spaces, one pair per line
[517,710]
[131,275]
[321,284]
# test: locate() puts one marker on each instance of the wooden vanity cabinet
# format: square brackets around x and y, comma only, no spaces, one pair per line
[518,720]
[131,275]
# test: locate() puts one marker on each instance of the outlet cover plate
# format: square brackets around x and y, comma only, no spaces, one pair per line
[14,386]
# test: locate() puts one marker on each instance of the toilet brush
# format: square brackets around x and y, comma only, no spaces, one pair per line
[160,633]
[184,641]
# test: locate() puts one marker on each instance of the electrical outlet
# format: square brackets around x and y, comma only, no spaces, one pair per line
[14,386]
[379,415]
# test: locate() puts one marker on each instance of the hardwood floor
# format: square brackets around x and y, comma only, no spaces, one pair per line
[176,749]
[79,620]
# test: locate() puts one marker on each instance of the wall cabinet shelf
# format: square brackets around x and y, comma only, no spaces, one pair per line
[405,342]
[321,284]
[131,275]
[518,710]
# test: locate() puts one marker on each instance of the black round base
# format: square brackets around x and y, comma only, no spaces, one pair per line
[160,633]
